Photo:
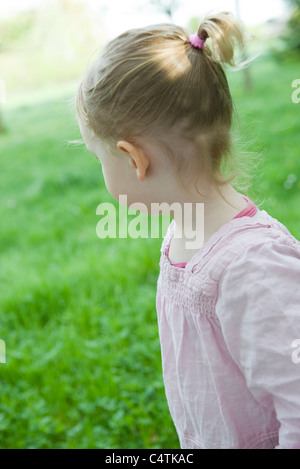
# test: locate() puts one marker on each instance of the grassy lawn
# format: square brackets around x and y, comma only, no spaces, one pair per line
[78,313]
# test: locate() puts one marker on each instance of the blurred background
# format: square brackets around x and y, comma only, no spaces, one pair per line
[77,314]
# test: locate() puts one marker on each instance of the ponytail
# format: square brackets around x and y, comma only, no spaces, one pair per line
[225,32]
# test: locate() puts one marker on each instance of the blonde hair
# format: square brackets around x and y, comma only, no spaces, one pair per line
[152,82]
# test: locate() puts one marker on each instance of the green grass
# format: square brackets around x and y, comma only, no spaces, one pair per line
[270,124]
[78,313]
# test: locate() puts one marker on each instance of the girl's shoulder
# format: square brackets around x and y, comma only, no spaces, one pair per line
[249,242]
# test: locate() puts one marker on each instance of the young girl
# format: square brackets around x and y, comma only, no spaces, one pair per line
[156,109]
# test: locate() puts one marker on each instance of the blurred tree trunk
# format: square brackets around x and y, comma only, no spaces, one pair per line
[291,37]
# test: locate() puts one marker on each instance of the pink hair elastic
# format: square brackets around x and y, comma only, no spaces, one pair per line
[197,42]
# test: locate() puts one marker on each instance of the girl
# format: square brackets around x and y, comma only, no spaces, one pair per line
[156,109]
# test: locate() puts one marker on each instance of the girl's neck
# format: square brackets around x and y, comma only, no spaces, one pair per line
[203,221]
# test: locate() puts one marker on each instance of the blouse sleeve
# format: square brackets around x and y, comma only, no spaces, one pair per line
[259,311]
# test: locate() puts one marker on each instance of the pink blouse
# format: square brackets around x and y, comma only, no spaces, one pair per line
[228,323]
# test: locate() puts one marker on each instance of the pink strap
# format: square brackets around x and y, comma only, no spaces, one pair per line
[248,211]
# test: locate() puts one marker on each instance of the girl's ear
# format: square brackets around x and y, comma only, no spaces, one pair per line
[139,160]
